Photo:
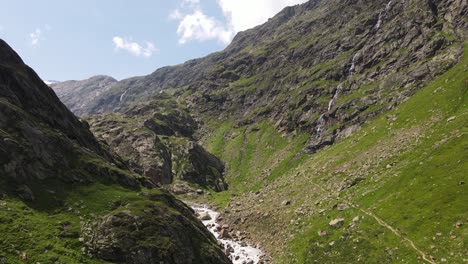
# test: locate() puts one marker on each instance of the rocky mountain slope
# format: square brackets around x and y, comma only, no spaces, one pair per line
[65,199]
[77,94]
[342,126]
[325,65]
[157,140]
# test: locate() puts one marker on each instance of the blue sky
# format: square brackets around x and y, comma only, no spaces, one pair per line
[72,40]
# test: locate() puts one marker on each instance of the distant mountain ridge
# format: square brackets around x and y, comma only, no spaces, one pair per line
[76,95]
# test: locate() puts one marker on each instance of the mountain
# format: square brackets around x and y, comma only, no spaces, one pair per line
[341,126]
[326,66]
[76,94]
[65,199]
[158,140]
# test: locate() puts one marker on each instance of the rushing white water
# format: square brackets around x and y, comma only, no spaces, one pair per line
[240,252]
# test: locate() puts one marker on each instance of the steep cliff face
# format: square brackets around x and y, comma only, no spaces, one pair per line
[60,191]
[41,137]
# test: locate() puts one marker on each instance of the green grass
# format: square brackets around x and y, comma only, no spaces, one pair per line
[34,228]
[418,194]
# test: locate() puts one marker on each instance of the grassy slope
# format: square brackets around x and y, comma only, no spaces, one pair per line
[408,162]
[36,228]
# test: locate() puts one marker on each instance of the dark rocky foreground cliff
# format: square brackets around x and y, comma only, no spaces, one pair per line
[65,199]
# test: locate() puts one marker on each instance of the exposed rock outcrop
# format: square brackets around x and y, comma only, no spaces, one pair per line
[156,139]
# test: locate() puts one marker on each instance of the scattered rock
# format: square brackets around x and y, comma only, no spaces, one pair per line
[337,223]
[224,234]
[322,233]
[24,256]
[451,118]
[356,219]
[342,207]
[205,217]
[286,202]
[200,191]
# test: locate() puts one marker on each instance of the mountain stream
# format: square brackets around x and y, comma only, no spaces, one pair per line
[238,251]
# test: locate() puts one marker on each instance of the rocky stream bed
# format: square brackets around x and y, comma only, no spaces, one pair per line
[239,251]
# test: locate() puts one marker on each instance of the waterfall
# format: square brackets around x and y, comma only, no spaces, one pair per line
[320,124]
[353,62]
[388,6]
[123,95]
[332,101]
[382,15]
[379,22]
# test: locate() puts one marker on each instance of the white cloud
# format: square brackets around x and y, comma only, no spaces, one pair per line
[240,15]
[176,15]
[35,37]
[136,49]
[245,14]
[198,26]
[38,35]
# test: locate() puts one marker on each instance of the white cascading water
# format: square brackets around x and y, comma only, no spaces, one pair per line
[123,95]
[332,101]
[388,6]
[320,124]
[353,62]
[242,253]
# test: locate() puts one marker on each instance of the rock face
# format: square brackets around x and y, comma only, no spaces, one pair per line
[77,94]
[322,67]
[156,140]
[40,137]
[147,235]
[46,152]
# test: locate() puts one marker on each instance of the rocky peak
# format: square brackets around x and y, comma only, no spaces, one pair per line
[76,94]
